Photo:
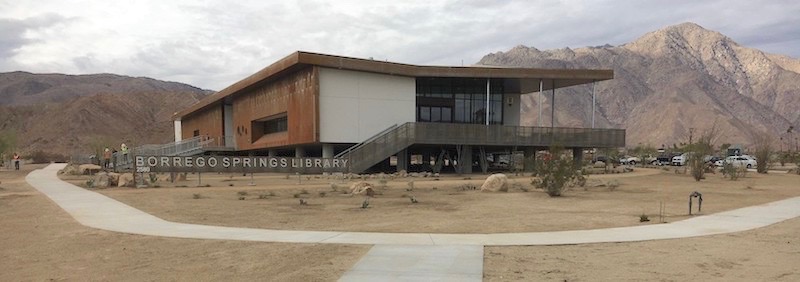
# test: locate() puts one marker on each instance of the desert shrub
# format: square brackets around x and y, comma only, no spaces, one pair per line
[153,177]
[334,187]
[643,218]
[297,195]
[40,157]
[242,193]
[383,182]
[763,153]
[304,192]
[555,173]
[196,196]
[263,196]
[733,173]
[322,194]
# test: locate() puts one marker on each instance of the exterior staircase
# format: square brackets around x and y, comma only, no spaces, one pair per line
[188,147]
[394,139]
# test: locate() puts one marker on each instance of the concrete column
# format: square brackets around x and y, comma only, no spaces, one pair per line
[272,152]
[466,160]
[529,161]
[402,160]
[327,151]
[577,156]
[299,152]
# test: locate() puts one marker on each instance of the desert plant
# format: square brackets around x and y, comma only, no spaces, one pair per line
[555,172]
[241,198]
[410,186]
[90,183]
[322,194]
[413,200]
[263,196]
[297,195]
[334,187]
[196,196]
[763,153]
[242,193]
[303,202]
[153,177]
[643,218]
[612,185]
[383,182]
[365,203]
[730,171]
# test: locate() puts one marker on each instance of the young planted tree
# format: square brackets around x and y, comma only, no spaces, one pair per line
[699,150]
[555,172]
[763,154]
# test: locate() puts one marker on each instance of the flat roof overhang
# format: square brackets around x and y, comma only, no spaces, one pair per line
[527,78]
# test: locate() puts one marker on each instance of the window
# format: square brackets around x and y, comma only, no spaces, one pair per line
[196,133]
[280,124]
[459,100]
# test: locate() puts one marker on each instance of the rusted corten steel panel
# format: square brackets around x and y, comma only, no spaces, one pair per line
[207,121]
[302,60]
[294,95]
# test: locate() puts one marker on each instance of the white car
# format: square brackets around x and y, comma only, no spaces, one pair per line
[680,160]
[630,160]
[738,161]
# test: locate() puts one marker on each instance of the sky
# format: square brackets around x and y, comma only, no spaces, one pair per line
[213,44]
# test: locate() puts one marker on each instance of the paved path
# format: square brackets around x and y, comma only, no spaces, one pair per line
[418,263]
[98,211]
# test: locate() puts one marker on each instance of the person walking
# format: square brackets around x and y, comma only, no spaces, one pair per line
[16,161]
[107,158]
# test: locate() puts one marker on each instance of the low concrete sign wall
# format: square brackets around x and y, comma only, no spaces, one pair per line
[238,164]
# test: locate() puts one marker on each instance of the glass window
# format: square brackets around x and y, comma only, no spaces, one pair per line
[276,125]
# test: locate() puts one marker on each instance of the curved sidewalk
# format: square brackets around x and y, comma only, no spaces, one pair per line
[98,211]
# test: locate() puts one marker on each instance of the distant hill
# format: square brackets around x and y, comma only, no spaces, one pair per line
[74,114]
[672,83]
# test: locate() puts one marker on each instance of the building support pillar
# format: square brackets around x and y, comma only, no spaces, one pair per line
[327,151]
[402,160]
[465,159]
[426,160]
[577,157]
[299,152]
[529,161]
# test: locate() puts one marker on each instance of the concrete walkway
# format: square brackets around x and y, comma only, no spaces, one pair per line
[98,211]
[397,256]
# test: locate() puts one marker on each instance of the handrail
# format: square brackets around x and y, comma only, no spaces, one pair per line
[356,146]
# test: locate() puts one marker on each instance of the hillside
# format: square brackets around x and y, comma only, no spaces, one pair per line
[66,114]
[670,82]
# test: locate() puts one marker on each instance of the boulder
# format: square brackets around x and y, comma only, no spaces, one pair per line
[599,164]
[402,173]
[125,180]
[182,176]
[497,182]
[70,170]
[101,180]
[113,179]
[89,168]
[360,187]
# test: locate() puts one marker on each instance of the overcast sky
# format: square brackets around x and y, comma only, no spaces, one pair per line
[212,44]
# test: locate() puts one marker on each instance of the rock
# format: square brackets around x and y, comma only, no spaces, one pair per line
[360,187]
[125,180]
[599,164]
[89,168]
[182,176]
[627,169]
[70,170]
[101,180]
[495,183]
[402,173]
[113,179]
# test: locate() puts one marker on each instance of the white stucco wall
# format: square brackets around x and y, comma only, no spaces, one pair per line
[354,106]
[177,126]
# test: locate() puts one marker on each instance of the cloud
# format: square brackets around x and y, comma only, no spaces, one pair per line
[212,44]
[13,32]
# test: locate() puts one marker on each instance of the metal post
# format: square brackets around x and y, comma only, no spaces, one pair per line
[488,93]
[553,106]
[541,86]
[593,103]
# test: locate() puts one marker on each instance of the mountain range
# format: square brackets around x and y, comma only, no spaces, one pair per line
[70,115]
[672,85]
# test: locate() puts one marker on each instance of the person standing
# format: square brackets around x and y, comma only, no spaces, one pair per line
[107,158]
[124,149]
[16,161]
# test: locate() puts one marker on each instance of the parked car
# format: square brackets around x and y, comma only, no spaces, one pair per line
[739,161]
[680,160]
[628,160]
[664,159]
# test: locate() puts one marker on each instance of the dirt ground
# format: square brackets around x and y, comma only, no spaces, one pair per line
[39,241]
[444,206]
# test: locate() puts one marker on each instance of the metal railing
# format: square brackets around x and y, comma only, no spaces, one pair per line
[390,141]
[356,146]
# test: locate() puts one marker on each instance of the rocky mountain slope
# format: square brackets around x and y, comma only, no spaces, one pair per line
[670,84]
[67,114]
